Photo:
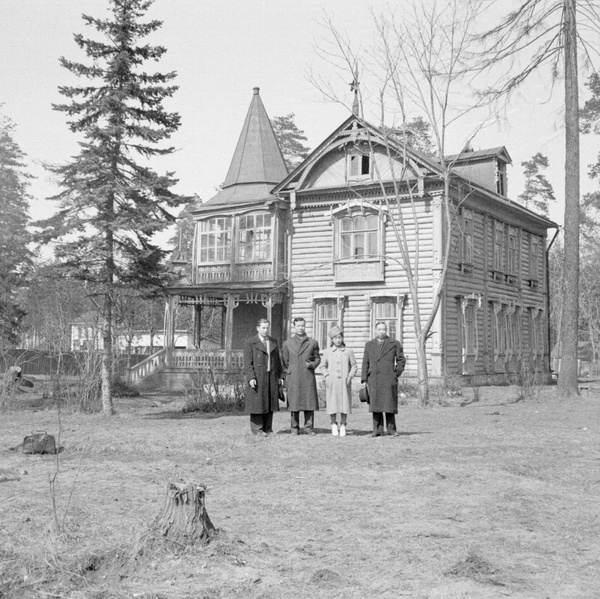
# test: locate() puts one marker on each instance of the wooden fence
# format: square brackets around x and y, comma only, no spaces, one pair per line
[35,362]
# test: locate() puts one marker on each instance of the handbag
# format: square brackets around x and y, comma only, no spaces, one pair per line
[363,394]
[281,391]
[39,442]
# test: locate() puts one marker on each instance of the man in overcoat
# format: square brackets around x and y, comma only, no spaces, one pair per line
[262,371]
[300,356]
[383,362]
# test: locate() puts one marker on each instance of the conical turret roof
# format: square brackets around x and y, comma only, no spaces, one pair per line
[257,164]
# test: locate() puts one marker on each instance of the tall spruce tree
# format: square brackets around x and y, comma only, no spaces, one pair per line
[112,202]
[538,192]
[15,256]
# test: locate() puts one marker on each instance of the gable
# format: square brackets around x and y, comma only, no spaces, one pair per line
[357,153]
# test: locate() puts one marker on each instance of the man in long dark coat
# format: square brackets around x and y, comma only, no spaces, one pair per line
[300,356]
[262,370]
[383,362]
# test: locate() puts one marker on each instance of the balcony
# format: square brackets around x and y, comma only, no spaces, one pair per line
[235,273]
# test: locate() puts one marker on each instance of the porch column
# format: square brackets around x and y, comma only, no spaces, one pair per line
[269,306]
[229,329]
[170,330]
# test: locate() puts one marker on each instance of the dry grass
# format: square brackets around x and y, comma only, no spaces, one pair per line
[495,499]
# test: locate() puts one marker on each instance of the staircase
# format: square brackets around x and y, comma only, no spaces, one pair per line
[161,372]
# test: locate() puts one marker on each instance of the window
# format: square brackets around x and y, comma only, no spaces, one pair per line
[358,236]
[501,178]
[499,247]
[358,165]
[468,316]
[536,334]
[327,315]
[467,241]
[534,260]
[512,256]
[254,238]
[385,311]
[215,240]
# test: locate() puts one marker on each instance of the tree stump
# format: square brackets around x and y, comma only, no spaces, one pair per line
[183,519]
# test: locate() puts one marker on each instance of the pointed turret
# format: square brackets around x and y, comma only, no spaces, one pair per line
[257,164]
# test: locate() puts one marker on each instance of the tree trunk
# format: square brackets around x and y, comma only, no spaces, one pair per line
[107,355]
[567,380]
[422,374]
[183,519]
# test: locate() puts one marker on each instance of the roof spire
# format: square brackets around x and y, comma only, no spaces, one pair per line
[354,88]
[257,164]
[257,157]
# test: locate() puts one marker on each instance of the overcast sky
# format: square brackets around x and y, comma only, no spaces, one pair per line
[221,49]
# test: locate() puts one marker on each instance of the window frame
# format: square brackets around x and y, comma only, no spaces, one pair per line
[499,250]
[359,158]
[392,322]
[320,331]
[254,230]
[364,268]
[227,246]
[467,248]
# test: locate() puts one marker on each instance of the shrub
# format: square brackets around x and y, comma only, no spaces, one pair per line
[211,394]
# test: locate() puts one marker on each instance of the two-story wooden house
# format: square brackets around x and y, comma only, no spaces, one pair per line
[322,242]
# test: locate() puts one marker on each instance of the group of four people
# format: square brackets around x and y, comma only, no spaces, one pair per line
[266,371]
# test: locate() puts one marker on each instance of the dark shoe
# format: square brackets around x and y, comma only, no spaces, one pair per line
[375,434]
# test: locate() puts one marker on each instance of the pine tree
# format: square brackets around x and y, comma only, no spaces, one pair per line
[112,202]
[290,139]
[538,191]
[15,256]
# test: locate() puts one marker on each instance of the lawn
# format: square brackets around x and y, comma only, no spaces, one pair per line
[494,499]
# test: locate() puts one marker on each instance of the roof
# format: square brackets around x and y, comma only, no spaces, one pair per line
[469,156]
[257,164]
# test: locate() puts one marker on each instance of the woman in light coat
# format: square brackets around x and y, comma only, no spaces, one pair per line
[338,366]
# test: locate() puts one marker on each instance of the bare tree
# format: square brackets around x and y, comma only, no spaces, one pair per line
[544,33]
[418,72]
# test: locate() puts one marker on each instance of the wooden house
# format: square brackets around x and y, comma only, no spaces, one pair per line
[322,242]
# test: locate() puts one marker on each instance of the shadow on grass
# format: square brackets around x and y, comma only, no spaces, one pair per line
[179,415]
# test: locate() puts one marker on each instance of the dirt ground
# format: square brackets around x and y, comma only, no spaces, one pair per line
[491,500]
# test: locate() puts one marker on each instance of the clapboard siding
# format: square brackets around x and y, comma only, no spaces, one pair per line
[313,273]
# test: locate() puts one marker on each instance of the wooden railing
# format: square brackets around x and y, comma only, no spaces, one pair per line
[218,360]
[203,360]
[147,367]
[225,273]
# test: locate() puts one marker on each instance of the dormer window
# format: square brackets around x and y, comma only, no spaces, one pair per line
[501,187]
[358,166]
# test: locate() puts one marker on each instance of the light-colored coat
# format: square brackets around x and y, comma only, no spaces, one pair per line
[264,398]
[300,357]
[338,366]
[381,367]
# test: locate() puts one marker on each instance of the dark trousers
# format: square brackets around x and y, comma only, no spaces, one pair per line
[261,423]
[309,418]
[390,420]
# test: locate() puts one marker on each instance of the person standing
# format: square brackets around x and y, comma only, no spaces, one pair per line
[338,366]
[262,370]
[300,356]
[383,362]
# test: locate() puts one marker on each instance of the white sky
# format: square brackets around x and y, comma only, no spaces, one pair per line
[221,49]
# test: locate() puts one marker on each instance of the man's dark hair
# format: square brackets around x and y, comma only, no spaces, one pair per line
[299,319]
[261,321]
